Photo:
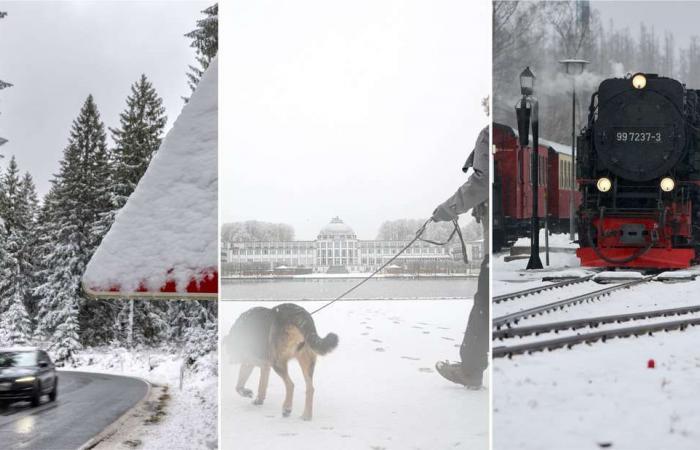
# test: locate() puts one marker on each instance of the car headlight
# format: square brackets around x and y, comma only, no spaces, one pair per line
[604,184]
[667,184]
[25,380]
[639,81]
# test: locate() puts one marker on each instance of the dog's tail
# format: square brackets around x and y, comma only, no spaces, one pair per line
[305,323]
[322,345]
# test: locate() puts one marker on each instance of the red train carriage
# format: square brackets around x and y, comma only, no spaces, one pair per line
[512,192]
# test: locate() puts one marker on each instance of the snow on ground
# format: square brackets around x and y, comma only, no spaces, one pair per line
[511,276]
[191,413]
[378,389]
[555,241]
[588,396]
[169,223]
[593,396]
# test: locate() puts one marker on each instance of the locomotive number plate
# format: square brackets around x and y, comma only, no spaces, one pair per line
[638,136]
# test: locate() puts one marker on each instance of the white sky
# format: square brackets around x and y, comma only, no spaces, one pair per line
[364,109]
[56,53]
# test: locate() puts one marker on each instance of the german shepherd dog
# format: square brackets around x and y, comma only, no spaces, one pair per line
[264,337]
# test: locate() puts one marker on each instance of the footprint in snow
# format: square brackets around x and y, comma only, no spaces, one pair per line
[364,334]
[377,340]
[426,370]
[426,332]
[447,338]
[412,358]
[379,349]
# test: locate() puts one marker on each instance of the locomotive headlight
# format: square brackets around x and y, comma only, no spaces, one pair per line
[639,81]
[667,184]
[604,184]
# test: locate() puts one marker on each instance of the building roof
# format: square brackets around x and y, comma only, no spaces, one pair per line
[336,227]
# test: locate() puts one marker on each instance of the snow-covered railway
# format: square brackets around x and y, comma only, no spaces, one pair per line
[635,305]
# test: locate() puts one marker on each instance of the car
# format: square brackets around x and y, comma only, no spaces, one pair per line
[27,374]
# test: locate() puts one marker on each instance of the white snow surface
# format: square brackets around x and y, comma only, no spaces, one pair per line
[555,241]
[591,396]
[169,223]
[191,420]
[378,389]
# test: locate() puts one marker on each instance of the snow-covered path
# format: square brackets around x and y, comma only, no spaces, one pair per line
[378,389]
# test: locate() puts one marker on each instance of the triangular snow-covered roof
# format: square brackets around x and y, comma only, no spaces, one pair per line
[164,240]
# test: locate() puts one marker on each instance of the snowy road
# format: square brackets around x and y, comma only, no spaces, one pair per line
[377,390]
[87,403]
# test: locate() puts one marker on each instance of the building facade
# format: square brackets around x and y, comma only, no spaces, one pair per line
[338,250]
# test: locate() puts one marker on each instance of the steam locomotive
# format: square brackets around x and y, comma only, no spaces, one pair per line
[638,171]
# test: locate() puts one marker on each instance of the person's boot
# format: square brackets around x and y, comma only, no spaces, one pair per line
[456,374]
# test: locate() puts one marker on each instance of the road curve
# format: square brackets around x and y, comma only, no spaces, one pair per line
[87,403]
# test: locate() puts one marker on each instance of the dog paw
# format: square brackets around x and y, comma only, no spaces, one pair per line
[286,412]
[245,392]
[258,401]
[306,417]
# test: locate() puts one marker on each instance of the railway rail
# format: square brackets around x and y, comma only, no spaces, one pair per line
[504,326]
[590,338]
[539,289]
[514,318]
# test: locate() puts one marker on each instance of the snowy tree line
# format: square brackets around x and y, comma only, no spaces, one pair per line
[255,230]
[390,230]
[539,34]
[45,247]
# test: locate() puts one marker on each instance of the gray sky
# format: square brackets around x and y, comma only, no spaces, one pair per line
[364,109]
[56,53]
[677,17]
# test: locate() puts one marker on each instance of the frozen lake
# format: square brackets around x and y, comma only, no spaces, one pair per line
[377,390]
[329,288]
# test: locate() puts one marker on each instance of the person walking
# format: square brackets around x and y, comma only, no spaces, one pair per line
[472,195]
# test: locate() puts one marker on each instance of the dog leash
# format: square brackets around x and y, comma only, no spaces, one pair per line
[419,233]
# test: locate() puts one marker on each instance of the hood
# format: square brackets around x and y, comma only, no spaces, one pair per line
[15,372]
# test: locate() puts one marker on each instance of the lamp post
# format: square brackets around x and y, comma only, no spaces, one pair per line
[573,68]
[527,108]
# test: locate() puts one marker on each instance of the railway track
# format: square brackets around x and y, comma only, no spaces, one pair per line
[539,289]
[504,329]
[590,338]
[590,322]
[514,318]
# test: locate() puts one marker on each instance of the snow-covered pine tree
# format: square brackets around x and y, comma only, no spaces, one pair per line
[205,39]
[136,140]
[17,208]
[79,197]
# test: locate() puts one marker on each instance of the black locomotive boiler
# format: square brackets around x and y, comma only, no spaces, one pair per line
[638,170]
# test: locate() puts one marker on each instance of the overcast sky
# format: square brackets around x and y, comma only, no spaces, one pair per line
[364,109]
[56,53]
[677,17]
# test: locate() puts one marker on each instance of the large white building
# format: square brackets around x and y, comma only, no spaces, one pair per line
[337,249]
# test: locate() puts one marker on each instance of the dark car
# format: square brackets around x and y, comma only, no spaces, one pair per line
[27,374]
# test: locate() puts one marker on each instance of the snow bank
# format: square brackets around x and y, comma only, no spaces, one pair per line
[191,414]
[167,231]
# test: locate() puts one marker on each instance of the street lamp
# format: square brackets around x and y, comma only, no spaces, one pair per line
[526,108]
[573,68]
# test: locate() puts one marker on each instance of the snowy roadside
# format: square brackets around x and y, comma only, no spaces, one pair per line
[171,418]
